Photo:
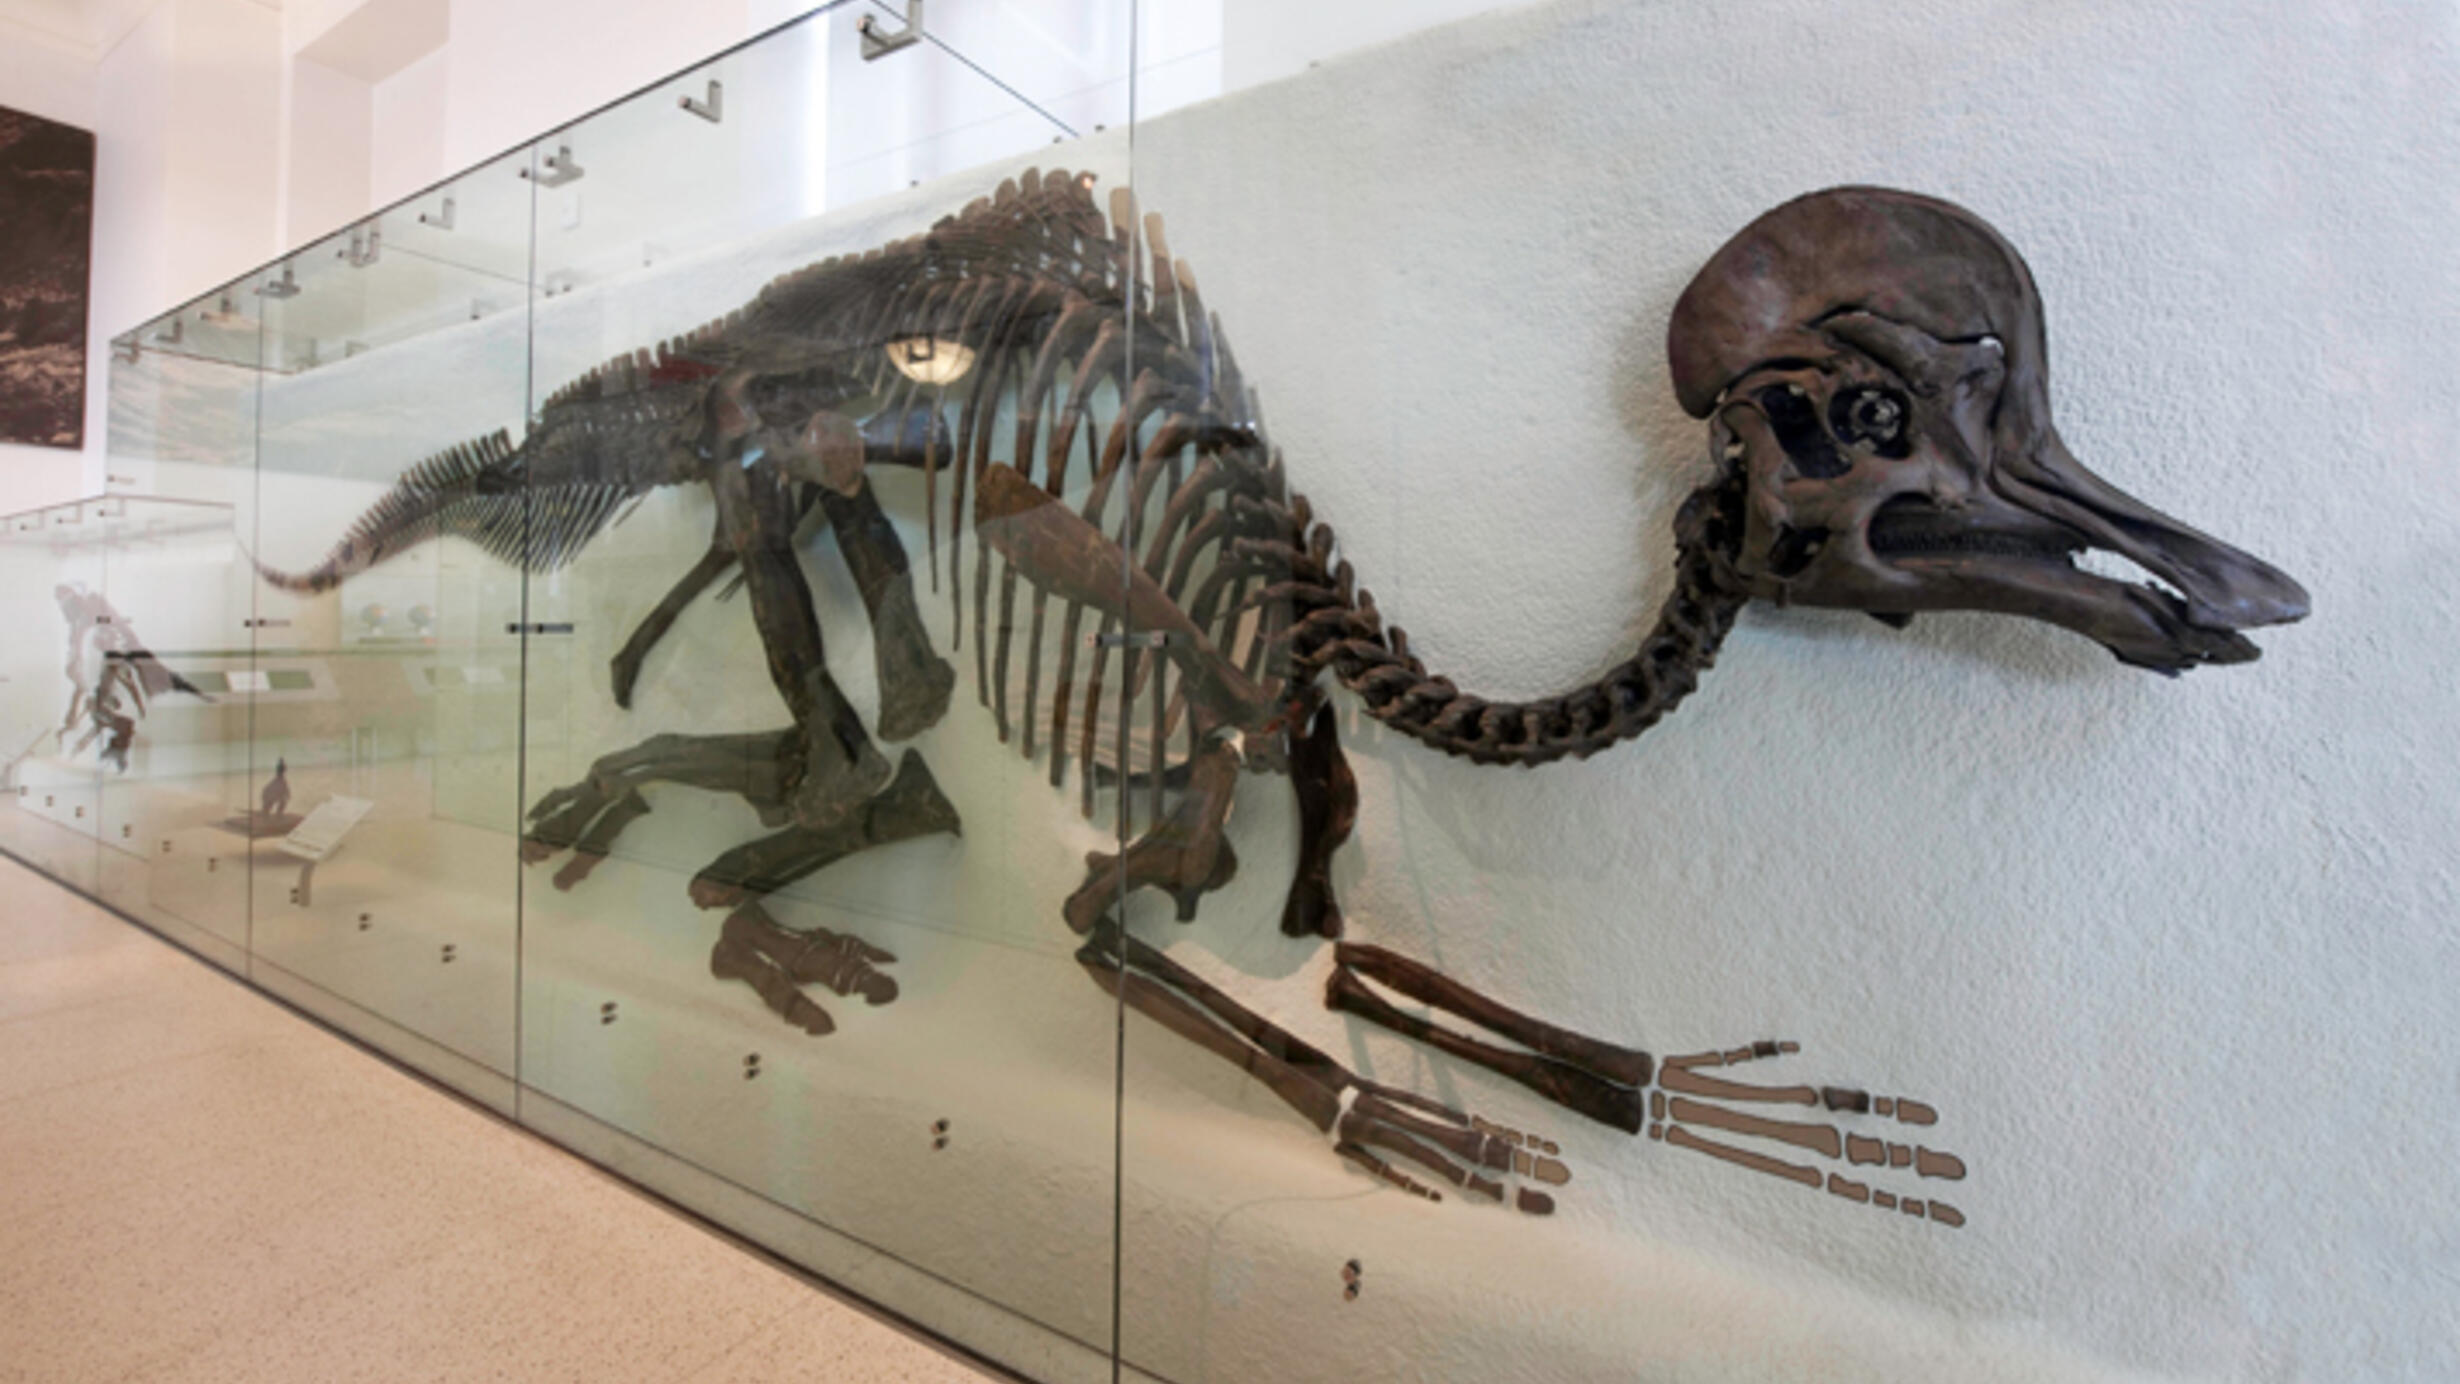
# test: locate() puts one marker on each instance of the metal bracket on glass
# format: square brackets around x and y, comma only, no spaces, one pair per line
[879,44]
[127,351]
[443,220]
[711,109]
[540,627]
[264,624]
[285,287]
[366,246]
[558,169]
[177,334]
[560,282]
[1141,639]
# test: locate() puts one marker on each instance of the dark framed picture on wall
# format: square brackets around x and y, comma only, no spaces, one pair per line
[46,226]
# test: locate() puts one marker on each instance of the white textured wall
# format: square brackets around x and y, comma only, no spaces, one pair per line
[2176,959]
[1266,40]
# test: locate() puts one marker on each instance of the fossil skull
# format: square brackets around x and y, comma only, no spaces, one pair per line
[1873,365]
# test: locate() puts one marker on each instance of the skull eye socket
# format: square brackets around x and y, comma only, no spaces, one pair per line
[1795,420]
[1868,416]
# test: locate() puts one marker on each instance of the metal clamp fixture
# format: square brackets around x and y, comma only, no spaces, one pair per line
[879,43]
[285,287]
[556,169]
[177,333]
[442,220]
[712,108]
[366,246]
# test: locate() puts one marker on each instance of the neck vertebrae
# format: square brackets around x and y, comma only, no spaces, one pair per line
[1347,635]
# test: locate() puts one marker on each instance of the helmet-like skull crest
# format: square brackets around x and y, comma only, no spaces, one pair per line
[1874,364]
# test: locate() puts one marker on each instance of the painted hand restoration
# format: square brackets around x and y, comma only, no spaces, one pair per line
[1873,364]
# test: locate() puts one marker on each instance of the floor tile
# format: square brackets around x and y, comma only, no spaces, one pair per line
[187,1014]
[199,1185]
[122,964]
[829,1341]
[43,921]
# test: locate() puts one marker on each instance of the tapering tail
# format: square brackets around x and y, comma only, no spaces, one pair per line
[478,491]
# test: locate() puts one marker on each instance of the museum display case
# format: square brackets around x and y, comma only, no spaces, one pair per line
[336,770]
[830,636]
[177,602]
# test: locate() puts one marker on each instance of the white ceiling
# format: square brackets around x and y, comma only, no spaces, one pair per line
[92,27]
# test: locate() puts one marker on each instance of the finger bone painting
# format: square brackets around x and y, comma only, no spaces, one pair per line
[46,224]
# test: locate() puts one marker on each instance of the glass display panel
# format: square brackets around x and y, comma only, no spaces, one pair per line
[179,826]
[799,846]
[983,82]
[1693,985]
[1402,1123]
[396,367]
[57,734]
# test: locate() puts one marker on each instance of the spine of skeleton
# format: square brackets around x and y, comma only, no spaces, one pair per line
[1346,634]
[472,490]
[479,492]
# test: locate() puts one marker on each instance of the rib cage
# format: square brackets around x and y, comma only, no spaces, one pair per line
[1113,392]
[1183,478]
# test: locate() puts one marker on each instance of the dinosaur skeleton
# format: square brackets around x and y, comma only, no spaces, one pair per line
[111,695]
[1873,365]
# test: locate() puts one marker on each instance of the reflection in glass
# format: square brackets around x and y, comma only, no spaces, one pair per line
[389,691]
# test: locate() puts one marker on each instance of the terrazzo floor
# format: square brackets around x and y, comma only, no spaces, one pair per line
[198,1185]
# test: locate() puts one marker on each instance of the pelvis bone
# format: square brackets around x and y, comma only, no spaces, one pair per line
[1874,364]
